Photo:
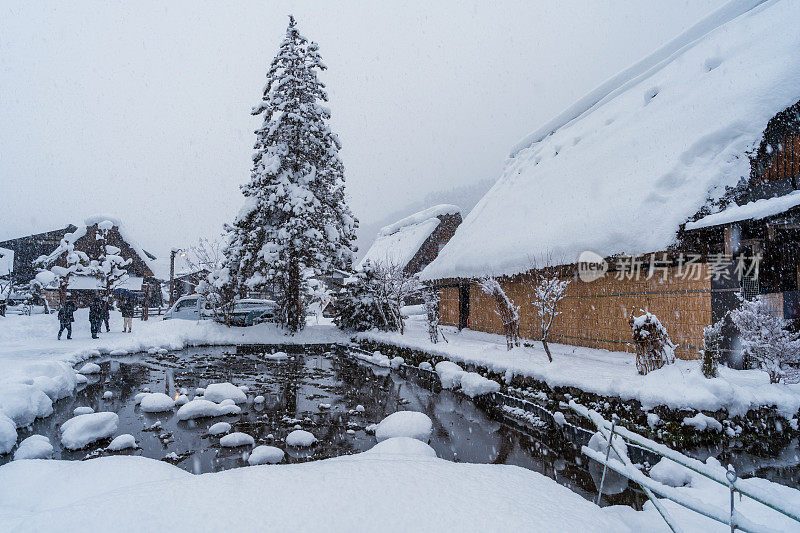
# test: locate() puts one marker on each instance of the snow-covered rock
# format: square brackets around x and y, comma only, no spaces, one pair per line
[81,430]
[405,424]
[217,392]
[80,379]
[122,442]
[89,368]
[199,391]
[236,439]
[360,408]
[107,395]
[277,356]
[82,410]
[258,399]
[397,362]
[118,353]
[300,438]
[425,365]
[139,397]
[265,455]
[671,473]
[24,403]
[8,434]
[449,374]
[473,384]
[324,406]
[34,447]
[182,399]
[200,408]
[403,446]
[227,401]
[702,422]
[219,428]
[156,402]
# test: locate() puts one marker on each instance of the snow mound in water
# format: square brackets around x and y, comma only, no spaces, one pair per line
[236,439]
[258,399]
[34,447]
[449,374]
[156,402]
[8,434]
[405,424]
[277,356]
[473,384]
[671,473]
[227,402]
[54,378]
[83,410]
[300,437]
[181,400]
[265,455]
[199,408]
[122,442]
[89,368]
[219,428]
[107,395]
[217,392]
[403,446]
[118,352]
[80,379]
[24,403]
[81,430]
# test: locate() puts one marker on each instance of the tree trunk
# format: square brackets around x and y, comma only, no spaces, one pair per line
[547,350]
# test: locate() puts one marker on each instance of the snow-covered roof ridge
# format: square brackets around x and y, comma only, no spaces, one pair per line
[645,67]
[420,216]
[621,177]
[756,210]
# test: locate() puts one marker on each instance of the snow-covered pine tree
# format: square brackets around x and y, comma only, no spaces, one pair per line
[107,265]
[364,303]
[295,223]
[712,338]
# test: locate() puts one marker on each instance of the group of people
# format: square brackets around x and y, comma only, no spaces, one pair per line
[99,314]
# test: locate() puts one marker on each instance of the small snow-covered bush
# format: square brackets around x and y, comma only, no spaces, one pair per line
[712,336]
[364,304]
[506,310]
[549,291]
[654,349]
[765,339]
[431,296]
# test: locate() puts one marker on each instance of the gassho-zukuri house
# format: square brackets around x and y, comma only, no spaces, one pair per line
[411,243]
[676,183]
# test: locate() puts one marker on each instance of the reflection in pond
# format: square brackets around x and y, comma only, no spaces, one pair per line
[296,392]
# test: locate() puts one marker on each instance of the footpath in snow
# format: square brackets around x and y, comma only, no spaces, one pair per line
[678,386]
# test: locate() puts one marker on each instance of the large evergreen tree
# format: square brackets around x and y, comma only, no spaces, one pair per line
[295,223]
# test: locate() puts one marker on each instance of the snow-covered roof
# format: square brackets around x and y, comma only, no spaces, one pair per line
[103,221]
[754,210]
[620,170]
[398,243]
[6,261]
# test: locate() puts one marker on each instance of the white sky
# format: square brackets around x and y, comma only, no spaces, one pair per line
[141,109]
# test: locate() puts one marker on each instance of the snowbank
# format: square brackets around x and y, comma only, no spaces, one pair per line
[643,150]
[472,384]
[405,424]
[200,408]
[8,434]
[265,455]
[156,402]
[407,446]
[82,430]
[24,403]
[217,392]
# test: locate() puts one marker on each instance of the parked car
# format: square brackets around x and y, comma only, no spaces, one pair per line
[246,312]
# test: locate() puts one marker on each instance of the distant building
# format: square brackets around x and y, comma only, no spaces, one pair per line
[28,248]
[413,242]
[675,178]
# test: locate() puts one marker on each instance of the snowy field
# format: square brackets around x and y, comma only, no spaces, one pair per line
[681,385]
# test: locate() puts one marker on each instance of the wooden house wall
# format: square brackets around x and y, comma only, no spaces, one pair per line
[785,162]
[596,314]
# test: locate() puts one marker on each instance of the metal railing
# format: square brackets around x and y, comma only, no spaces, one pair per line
[613,434]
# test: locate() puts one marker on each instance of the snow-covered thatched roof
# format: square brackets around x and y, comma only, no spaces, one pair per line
[620,170]
[398,243]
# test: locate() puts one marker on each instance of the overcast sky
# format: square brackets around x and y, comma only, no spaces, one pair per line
[141,110]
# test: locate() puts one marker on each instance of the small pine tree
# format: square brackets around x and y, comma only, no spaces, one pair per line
[765,338]
[654,349]
[712,337]
[296,224]
[364,304]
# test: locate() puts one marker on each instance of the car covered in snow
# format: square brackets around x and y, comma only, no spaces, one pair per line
[246,312]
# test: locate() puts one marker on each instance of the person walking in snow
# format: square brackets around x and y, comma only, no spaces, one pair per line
[95,315]
[66,318]
[106,314]
[127,315]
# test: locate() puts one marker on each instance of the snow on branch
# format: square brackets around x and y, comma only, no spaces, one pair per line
[506,310]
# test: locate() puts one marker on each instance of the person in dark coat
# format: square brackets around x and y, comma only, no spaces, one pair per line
[127,314]
[106,314]
[95,315]
[66,318]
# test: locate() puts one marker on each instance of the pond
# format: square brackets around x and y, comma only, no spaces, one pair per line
[320,392]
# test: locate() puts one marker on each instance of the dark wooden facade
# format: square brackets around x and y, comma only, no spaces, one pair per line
[434,243]
[27,249]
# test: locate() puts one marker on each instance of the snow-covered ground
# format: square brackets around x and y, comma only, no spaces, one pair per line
[681,385]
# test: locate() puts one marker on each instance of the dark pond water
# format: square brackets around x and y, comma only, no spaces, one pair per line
[293,391]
